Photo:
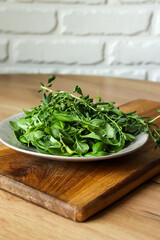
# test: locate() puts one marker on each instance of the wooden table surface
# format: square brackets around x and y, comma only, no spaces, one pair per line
[134,217]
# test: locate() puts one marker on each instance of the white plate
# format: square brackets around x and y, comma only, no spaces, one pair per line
[7,137]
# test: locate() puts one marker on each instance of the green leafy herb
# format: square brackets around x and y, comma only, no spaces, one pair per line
[70,125]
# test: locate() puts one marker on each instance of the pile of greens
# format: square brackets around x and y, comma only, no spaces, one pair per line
[72,124]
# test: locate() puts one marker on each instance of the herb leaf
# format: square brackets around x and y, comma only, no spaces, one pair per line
[67,125]
[51,78]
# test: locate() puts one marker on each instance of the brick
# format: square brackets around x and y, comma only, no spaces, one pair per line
[83,70]
[27,20]
[156,23]
[74,1]
[20,1]
[113,72]
[130,1]
[59,51]
[103,22]
[136,1]
[134,52]
[154,75]
[129,73]
[3,50]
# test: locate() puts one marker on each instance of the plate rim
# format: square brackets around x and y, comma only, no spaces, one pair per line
[67,158]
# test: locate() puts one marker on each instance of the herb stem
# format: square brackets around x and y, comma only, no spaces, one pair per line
[154,119]
[57,92]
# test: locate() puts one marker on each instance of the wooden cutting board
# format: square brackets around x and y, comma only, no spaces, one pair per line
[79,190]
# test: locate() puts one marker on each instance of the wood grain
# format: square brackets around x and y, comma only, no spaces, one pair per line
[79,190]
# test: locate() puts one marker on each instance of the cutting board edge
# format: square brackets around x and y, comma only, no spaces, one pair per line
[74,212]
[71,210]
[41,199]
[87,210]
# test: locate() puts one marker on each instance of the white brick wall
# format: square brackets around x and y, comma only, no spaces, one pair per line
[135,52]
[94,37]
[3,50]
[106,22]
[73,52]
[25,20]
